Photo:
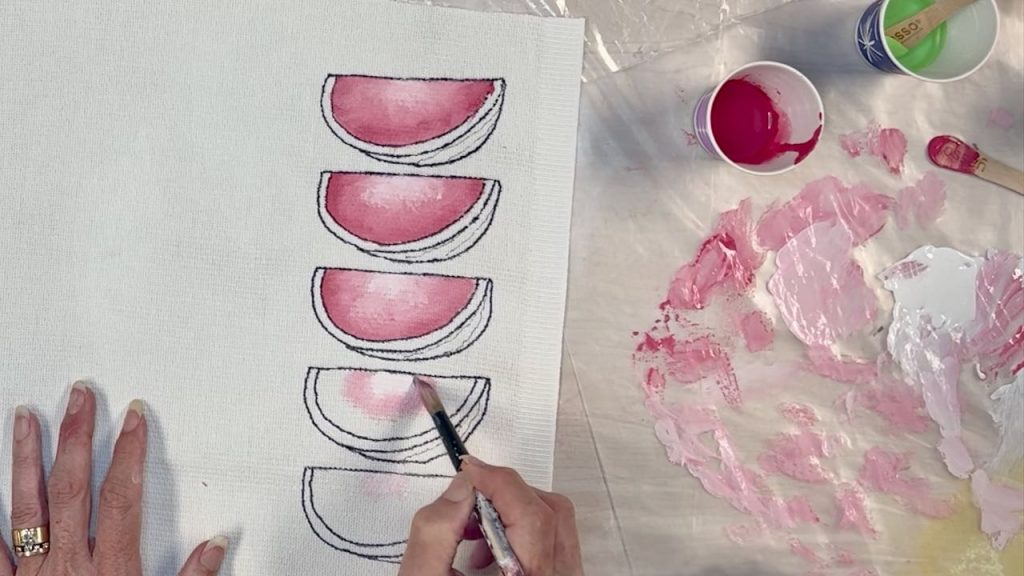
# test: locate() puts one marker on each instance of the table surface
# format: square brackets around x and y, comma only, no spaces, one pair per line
[644,199]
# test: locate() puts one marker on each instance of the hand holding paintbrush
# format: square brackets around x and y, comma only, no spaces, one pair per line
[527,531]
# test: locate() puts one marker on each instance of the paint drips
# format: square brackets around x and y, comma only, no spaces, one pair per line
[819,288]
[886,472]
[750,129]
[858,208]
[725,262]
[888,144]
[922,202]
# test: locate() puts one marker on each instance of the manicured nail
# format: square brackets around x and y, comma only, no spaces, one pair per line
[78,391]
[458,490]
[22,424]
[213,553]
[134,416]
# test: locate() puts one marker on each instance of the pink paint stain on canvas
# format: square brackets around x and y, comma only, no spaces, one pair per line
[1001,118]
[899,405]
[800,414]
[382,401]
[804,552]
[922,202]
[851,510]
[379,306]
[385,486]
[797,456]
[887,472]
[725,263]
[858,208]
[400,112]
[818,287]
[757,331]
[396,209]
[887,144]
[1001,507]
[824,362]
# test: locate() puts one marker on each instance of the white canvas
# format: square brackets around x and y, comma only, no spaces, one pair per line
[160,226]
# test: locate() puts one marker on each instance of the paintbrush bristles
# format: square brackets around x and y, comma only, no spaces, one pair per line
[428,395]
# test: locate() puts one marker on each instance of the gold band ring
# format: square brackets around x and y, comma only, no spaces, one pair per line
[31,541]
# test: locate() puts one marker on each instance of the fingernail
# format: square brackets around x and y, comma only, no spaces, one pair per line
[458,490]
[213,553]
[77,399]
[473,460]
[134,416]
[22,425]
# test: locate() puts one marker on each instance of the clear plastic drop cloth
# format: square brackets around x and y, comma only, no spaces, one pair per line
[821,447]
[623,33]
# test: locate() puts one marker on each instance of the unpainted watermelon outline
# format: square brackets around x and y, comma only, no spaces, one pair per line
[479,393]
[417,353]
[491,199]
[310,511]
[326,112]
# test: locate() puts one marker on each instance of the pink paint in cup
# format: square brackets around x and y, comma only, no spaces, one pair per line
[764,118]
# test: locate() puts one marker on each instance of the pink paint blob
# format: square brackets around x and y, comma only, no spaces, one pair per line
[886,472]
[381,402]
[887,144]
[952,153]
[379,306]
[996,336]
[851,510]
[800,414]
[819,288]
[899,405]
[824,362]
[725,262]
[749,128]
[394,209]
[797,456]
[804,552]
[757,331]
[858,208]
[800,510]
[922,202]
[1001,118]
[1001,507]
[690,361]
[400,112]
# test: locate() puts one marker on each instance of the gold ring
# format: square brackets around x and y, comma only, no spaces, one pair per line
[31,541]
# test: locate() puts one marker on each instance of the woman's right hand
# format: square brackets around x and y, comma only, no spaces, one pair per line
[541,526]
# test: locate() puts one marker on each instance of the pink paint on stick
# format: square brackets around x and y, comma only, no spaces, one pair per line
[953,153]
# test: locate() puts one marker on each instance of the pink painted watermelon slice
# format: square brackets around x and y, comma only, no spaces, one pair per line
[417,121]
[400,316]
[407,218]
[378,414]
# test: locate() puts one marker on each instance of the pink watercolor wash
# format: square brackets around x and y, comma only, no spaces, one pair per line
[921,202]
[360,391]
[858,208]
[402,112]
[819,288]
[396,209]
[888,473]
[757,330]
[378,307]
[1001,118]
[887,144]
[379,487]
[726,262]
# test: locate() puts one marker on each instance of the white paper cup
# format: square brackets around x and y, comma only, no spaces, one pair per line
[793,95]
[971,36]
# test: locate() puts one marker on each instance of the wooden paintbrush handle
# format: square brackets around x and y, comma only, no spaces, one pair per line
[998,173]
[912,30]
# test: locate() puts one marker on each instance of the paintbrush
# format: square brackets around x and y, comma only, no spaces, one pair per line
[953,153]
[490,523]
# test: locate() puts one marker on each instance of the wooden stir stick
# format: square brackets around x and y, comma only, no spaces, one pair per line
[955,154]
[910,31]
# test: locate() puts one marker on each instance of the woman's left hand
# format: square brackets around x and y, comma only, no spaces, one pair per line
[63,505]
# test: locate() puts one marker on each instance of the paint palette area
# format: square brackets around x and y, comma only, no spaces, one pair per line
[815,373]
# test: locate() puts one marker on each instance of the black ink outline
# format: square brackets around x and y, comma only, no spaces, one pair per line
[427,351]
[392,155]
[487,204]
[467,420]
[310,511]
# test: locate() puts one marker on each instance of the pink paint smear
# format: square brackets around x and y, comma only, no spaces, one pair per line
[922,202]
[380,401]
[888,144]
[757,331]
[886,472]
[1001,118]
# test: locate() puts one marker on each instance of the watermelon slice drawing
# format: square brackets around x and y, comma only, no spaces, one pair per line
[404,437]
[415,121]
[401,316]
[330,494]
[406,218]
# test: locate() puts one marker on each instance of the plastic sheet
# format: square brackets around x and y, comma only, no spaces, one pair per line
[646,199]
[623,33]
